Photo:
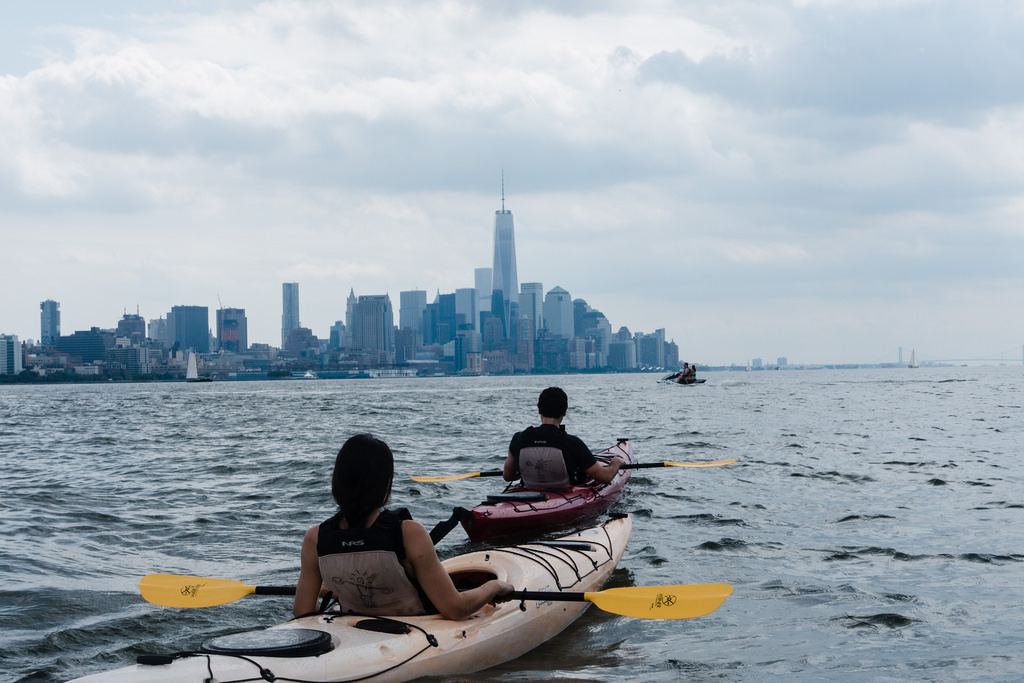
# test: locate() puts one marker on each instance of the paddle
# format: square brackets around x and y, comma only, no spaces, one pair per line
[173,590]
[642,602]
[646,602]
[627,466]
[642,465]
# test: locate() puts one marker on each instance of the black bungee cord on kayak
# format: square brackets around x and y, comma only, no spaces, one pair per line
[370,623]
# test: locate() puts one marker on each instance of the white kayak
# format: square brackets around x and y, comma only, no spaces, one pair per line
[336,647]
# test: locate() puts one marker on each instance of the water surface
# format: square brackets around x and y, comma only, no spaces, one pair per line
[872,527]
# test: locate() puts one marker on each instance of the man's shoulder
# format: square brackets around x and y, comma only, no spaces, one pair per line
[576,442]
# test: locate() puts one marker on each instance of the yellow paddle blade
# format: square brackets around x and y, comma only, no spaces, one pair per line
[172,590]
[662,602]
[700,464]
[449,478]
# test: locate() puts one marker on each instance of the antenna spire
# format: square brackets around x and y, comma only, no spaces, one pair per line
[503,190]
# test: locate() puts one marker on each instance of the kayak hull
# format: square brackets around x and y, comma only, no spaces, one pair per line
[580,562]
[553,508]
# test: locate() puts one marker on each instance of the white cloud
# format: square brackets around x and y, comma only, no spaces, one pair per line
[799,175]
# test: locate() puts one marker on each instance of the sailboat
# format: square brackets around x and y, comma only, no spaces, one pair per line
[192,374]
[913,359]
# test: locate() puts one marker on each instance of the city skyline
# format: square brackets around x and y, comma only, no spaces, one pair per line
[823,180]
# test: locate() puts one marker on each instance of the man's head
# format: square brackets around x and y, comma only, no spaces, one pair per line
[553,403]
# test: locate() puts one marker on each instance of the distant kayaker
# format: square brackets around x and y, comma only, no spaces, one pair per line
[375,561]
[547,457]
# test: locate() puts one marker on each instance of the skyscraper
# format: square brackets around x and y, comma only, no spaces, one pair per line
[374,326]
[482,283]
[290,309]
[132,327]
[231,330]
[505,282]
[558,314]
[531,305]
[49,322]
[411,304]
[465,308]
[189,328]
[10,355]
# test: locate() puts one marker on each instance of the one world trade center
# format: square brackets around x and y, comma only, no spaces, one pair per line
[505,283]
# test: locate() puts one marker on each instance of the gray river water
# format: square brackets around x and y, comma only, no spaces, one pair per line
[873,527]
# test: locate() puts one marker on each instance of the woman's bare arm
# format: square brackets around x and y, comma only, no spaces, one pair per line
[435,581]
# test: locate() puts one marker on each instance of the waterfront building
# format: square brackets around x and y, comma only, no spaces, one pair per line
[90,346]
[482,281]
[49,322]
[672,355]
[405,345]
[594,325]
[373,324]
[411,306]
[301,343]
[582,354]
[650,349]
[350,318]
[468,352]
[504,280]
[289,309]
[558,314]
[441,322]
[158,332]
[465,308]
[232,334]
[531,305]
[337,339]
[189,328]
[128,361]
[10,355]
[132,327]
[526,333]
[622,350]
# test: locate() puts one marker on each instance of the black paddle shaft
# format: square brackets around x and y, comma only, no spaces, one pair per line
[275,590]
[545,596]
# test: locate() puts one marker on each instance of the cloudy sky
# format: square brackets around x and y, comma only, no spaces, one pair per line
[826,180]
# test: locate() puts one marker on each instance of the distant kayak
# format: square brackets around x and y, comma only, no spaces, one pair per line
[345,647]
[520,509]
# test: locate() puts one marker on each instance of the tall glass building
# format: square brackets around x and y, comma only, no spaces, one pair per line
[373,327]
[531,305]
[290,309]
[49,322]
[189,328]
[10,355]
[482,281]
[505,282]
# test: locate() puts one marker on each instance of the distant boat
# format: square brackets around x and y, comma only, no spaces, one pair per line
[192,374]
[913,359]
[310,375]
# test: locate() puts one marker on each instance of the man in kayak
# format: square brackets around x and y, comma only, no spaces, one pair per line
[548,457]
[375,561]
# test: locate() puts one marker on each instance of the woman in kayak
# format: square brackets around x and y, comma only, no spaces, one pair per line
[375,561]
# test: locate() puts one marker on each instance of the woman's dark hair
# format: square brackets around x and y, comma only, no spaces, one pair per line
[552,403]
[361,483]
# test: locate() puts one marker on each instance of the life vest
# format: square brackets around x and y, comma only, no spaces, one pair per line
[363,567]
[541,463]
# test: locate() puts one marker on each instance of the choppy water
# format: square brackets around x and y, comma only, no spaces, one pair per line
[873,528]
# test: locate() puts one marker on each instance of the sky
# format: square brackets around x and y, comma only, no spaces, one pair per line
[824,180]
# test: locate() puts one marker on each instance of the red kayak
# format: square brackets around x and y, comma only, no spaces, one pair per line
[520,509]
